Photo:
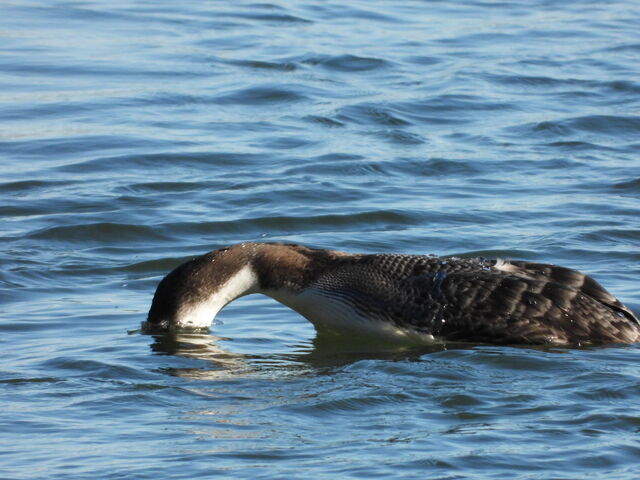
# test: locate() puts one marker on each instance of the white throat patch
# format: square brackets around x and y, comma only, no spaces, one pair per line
[201,315]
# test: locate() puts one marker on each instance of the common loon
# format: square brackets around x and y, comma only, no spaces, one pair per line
[403,297]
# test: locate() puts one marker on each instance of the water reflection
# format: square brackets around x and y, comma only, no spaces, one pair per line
[327,352]
[200,346]
[323,354]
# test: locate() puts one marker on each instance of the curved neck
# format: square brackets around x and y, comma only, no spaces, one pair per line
[193,293]
[200,314]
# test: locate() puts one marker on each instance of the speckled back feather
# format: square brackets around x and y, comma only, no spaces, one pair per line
[471,299]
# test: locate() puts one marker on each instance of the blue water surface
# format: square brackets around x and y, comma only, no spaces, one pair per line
[137,134]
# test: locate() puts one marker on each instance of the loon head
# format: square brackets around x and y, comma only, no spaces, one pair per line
[193,293]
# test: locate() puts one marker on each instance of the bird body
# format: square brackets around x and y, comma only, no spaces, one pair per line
[401,297]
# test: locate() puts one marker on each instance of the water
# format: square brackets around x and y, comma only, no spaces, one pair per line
[134,135]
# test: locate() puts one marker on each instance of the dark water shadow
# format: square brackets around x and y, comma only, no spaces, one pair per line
[324,354]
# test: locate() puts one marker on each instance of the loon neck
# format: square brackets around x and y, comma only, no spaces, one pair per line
[193,293]
[201,313]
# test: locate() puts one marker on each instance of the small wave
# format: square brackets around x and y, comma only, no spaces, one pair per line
[622,86]
[93,368]
[342,165]
[625,47]
[606,125]
[371,114]
[29,186]
[455,103]
[444,109]
[614,236]
[261,95]
[163,187]
[286,142]
[265,65]
[532,81]
[18,381]
[274,18]
[324,121]
[574,146]
[345,63]
[423,60]
[157,265]
[347,11]
[285,224]
[77,145]
[401,137]
[629,186]
[161,160]
[102,232]
[347,405]
[435,166]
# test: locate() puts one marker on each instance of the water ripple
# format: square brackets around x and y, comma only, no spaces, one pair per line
[345,63]
[137,135]
[260,95]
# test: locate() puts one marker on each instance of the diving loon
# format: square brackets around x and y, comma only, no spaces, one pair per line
[404,297]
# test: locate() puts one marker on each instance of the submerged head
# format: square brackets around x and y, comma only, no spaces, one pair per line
[192,294]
